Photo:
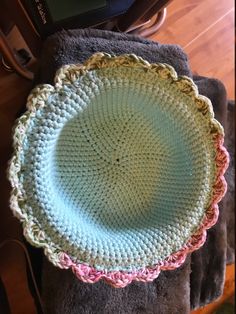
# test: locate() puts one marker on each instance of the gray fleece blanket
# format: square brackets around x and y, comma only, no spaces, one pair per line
[200,279]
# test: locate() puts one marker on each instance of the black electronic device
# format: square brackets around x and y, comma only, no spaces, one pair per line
[48,16]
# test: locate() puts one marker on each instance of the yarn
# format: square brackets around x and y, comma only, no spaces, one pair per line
[118,169]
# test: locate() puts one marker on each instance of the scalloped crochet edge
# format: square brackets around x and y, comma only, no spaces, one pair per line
[66,75]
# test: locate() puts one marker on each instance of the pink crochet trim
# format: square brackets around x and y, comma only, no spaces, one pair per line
[120,279]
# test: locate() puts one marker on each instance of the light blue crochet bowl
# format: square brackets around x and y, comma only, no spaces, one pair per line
[114,169]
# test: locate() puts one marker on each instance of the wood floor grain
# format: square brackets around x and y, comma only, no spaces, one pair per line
[211,54]
[205,30]
[186,19]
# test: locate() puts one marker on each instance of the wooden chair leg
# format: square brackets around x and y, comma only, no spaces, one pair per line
[10,58]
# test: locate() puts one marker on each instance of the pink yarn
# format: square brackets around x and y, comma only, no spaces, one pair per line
[120,279]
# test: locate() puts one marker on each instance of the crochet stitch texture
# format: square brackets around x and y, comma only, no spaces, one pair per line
[118,169]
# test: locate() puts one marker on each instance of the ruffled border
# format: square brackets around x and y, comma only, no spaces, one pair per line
[37,99]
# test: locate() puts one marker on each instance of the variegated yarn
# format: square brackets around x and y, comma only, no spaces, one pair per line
[117,169]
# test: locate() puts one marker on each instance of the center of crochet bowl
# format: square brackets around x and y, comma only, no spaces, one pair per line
[121,164]
[110,163]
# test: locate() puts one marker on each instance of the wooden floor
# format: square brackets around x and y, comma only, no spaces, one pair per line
[205,30]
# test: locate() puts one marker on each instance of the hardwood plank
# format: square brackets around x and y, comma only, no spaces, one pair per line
[212,53]
[187,19]
[209,40]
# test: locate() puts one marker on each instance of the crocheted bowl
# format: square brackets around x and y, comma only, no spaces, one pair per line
[118,169]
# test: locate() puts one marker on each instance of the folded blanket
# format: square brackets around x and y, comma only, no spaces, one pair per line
[63,293]
[208,264]
[200,280]
[75,46]
[229,200]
